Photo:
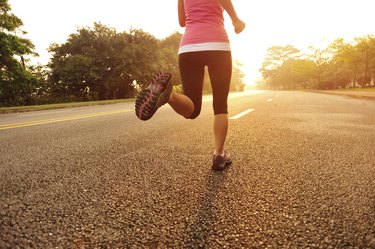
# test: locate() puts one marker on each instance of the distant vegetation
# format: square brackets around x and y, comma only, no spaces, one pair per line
[96,63]
[340,65]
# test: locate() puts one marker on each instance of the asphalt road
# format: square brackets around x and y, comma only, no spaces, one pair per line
[303,176]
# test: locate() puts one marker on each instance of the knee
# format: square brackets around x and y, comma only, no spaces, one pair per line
[195,114]
[221,109]
[192,116]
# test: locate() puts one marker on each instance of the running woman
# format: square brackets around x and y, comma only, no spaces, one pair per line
[204,43]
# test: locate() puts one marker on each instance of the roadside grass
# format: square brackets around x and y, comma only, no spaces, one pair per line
[31,108]
[366,89]
[60,106]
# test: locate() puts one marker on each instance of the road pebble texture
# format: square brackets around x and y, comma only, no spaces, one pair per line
[303,176]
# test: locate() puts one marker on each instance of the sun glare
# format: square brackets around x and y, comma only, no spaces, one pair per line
[298,23]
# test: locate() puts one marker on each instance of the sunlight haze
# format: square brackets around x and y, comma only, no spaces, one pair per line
[269,22]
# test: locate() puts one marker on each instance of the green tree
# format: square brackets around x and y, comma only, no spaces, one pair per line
[100,63]
[364,52]
[321,58]
[141,60]
[237,84]
[337,66]
[169,51]
[372,58]
[276,56]
[332,66]
[17,83]
[346,61]
[302,73]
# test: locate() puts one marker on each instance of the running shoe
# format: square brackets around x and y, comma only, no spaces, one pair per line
[221,162]
[154,96]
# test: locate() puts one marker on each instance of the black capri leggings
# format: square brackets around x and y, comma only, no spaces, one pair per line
[219,64]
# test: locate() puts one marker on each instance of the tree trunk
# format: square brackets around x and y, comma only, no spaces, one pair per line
[366,79]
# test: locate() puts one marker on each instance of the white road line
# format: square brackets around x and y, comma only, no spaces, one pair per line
[269,100]
[240,115]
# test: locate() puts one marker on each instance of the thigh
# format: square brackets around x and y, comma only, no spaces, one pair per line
[192,74]
[220,71]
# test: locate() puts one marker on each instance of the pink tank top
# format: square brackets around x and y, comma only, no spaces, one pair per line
[204,27]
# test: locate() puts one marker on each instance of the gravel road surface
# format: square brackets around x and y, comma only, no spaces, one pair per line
[303,176]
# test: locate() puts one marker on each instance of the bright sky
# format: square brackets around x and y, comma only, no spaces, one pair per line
[300,23]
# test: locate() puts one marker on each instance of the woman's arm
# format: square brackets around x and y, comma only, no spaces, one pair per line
[229,8]
[181,13]
[238,24]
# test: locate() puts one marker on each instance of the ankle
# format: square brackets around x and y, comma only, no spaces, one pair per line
[219,153]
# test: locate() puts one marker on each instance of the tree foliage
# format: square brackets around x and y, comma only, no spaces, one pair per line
[237,83]
[169,51]
[339,65]
[276,56]
[17,83]
[100,63]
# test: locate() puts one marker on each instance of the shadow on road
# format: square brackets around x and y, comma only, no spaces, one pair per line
[199,231]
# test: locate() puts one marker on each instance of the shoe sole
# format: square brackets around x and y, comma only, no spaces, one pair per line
[150,99]
[221,166]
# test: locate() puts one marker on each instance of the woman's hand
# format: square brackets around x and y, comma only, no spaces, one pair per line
[239,25]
